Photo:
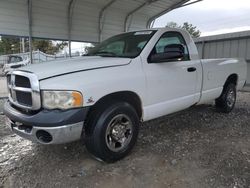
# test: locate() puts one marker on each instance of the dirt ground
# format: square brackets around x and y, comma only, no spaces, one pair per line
[194,148]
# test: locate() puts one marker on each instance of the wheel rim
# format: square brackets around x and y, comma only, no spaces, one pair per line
[119,133]
[231,98]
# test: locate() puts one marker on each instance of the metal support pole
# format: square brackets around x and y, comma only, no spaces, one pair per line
[152,23]
[23,45]
[100,25]
[30,29]
[70,48]
[70,14]
[20,45]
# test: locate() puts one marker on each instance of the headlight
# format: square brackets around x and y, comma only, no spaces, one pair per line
[61,99]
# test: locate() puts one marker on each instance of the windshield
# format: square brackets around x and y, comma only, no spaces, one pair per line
[128,45]
[14,59]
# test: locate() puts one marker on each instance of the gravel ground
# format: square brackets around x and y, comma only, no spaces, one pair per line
[194,148]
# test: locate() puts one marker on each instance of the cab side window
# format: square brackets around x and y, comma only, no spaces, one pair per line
[171,38]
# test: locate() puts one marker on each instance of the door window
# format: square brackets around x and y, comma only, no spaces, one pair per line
[170,38]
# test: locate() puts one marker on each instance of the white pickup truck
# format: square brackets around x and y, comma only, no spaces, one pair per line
[105,95]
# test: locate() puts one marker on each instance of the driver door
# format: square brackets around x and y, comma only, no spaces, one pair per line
[171,83]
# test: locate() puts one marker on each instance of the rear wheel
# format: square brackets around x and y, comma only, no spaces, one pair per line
[111,131]
[226,102]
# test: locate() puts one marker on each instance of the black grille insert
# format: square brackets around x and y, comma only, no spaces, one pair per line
[24,98]
[21,81]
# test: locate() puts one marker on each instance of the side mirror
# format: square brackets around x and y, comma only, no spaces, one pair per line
[173,52]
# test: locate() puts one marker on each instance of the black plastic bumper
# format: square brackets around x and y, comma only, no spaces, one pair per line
[46,118]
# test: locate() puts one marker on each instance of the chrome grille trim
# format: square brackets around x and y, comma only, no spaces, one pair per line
[34,90]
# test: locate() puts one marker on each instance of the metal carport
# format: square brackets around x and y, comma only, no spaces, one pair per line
[80,20]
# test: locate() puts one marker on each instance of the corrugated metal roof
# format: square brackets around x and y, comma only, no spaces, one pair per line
[230,36]
[229,45]
[91,20]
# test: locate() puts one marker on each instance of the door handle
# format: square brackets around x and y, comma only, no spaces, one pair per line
[191,69]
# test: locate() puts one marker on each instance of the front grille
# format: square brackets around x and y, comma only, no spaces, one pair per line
[24,90]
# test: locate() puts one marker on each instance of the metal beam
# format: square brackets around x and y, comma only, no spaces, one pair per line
[30,29]
[134,11]
[221,40]
[187,4]
[69,16]
[175,6]
[101,14]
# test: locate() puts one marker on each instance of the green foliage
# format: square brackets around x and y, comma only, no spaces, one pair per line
[10,45]
[193,31]
[48,46]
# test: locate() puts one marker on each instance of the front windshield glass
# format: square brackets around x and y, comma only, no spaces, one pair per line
[127,45]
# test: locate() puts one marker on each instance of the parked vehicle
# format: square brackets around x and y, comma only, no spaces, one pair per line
[104,96]
[14,62]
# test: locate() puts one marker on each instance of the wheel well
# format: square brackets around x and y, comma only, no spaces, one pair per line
[233,78]
[127,96]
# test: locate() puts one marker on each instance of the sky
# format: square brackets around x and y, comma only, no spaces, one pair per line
[210,16]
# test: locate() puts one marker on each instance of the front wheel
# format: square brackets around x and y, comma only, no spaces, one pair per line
[226,102]
[111,131]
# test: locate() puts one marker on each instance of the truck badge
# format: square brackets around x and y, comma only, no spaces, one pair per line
[90,100]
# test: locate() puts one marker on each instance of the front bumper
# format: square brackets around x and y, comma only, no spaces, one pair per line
[49,135]
[47,127]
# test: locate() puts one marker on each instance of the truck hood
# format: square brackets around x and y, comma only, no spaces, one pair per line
[67,66]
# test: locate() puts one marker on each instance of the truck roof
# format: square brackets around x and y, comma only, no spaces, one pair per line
[161,29]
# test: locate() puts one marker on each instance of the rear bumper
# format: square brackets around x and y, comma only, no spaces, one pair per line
[47,127]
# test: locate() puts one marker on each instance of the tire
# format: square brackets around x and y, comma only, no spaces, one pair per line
[226,102]
[111,131]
